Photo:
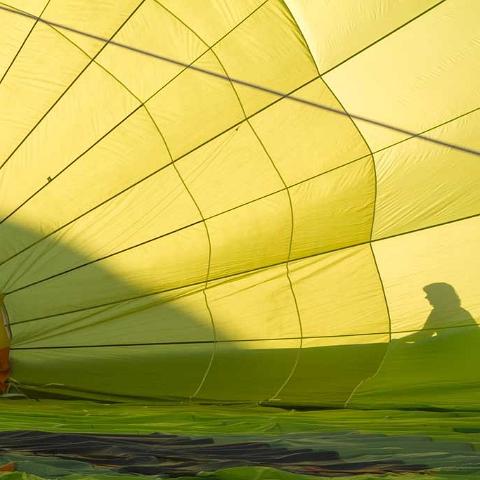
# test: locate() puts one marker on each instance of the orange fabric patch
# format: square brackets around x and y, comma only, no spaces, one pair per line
[4,368]
[8,467]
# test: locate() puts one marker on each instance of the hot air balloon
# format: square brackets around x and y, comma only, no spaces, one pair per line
[237,201]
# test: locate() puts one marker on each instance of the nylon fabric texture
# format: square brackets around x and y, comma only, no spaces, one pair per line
[172,235]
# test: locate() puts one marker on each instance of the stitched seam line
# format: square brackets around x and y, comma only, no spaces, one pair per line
[197,206]
[69,86]
[24,41]
[247,203]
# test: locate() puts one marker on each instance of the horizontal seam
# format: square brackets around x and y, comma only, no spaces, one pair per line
[199,342]
[243,340]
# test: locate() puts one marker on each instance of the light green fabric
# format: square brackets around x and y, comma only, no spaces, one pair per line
[447,442]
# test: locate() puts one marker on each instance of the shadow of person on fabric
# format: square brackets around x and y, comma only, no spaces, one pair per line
[446,316]
[435,367]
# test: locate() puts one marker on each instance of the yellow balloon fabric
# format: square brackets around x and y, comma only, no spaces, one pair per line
[169,231]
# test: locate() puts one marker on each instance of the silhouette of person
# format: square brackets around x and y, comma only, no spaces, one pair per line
[437,366]
[447,313]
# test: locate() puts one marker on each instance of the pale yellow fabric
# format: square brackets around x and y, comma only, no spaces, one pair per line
[282,63]
[135,137]
[338,30]
[286,131]
[340,294]
[246,230]
[268,249]
[100,18]
[268,306]
[333,210]
[16,29]
[416,78]
[231,170]
[214,19]
[448,254]
[186,110]
[405,199]
[34,82]
[151,213]
[143,32]
[45,152]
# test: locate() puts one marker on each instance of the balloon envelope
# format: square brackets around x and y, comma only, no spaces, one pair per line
[170,233]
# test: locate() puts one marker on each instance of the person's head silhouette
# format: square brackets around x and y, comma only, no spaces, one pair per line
[447,311]
[442,296]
